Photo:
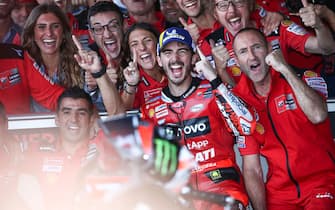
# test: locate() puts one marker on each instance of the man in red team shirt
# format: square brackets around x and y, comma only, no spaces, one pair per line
[291,38]
[293,132]
[50,169]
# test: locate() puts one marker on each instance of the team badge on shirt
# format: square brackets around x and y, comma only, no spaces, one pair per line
[259,128]
[240,141]
[285,102]
[296,29]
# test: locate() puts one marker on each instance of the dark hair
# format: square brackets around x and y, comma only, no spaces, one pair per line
[103,6]
[142,26]
[256,31]
[75,93]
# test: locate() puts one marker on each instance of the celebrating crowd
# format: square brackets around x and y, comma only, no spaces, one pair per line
[255,74]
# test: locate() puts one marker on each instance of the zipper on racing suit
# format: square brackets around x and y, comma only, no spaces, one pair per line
[295,182]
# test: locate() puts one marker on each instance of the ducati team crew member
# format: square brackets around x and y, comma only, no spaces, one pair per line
[296,43]
[208,114]
[293,132]
[54,164]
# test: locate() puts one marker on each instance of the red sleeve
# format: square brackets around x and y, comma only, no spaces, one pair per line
[247,145]
[293,36]
[41,88]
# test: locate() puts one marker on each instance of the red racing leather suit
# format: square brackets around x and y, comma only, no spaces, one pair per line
[147,88]
[300,155]
[20,79]
[207,121]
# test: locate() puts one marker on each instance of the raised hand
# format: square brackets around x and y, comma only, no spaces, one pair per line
[221,56]
[309,16]
[86,59]
[112,69]
[204,68]
[277,61]
[131,72]
[191,28]
[271,22]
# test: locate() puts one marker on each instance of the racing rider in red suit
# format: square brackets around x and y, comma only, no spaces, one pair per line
[208,114]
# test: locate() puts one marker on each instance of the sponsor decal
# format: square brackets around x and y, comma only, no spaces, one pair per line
[53,165]
[262,12]
[204,155]
[275,44]
[231,61]
[208,93]
[145,81]
[197,108]
[9,78]
[309,73]
[260,128]
[196,127]
[151,113]
[240,141]
[148,94]
[161,121]
[325,195]
[160,107]
[162,113]
[284,103]
[296,29]
[152,102]
[236,71]
[204,86]
[178,107]
[197,145]
[204,166]
[286,22]
[215,175]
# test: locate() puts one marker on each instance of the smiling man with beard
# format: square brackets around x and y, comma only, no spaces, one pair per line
[208,114]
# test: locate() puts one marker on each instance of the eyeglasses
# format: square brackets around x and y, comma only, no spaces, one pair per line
[224,5]
[111,27]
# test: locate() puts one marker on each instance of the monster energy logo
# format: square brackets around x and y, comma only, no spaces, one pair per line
[166,160]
